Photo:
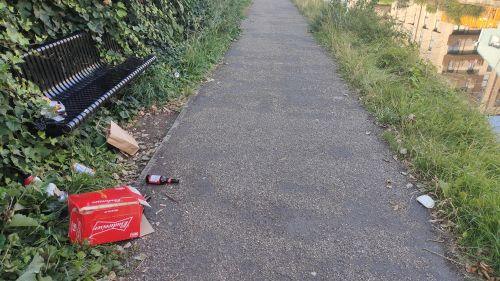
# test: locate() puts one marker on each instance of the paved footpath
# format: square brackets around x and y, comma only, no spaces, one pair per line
[279,179]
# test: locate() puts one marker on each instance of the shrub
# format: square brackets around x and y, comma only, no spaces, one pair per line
[186,35]
[450,144]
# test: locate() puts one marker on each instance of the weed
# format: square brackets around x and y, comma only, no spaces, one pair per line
[449,142]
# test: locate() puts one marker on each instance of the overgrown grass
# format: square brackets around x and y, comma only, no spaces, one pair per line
[448,142]
[44,251]
[385,2]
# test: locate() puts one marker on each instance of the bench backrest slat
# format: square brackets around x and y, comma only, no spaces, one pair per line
[58,52]
[57,66]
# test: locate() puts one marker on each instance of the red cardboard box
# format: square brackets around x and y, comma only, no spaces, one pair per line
[107,215]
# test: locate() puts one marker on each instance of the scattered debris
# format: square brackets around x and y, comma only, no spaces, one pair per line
[159,211]
[426,201]
[54,110]
[140,257]
[314,273]
[120,250]
[481,268]
[122,140]
[386,160]
[433,240]
[368,132]
[411,117]
[52,190]
[177,74]
[82,169]
[403,151]
[127,245]
[409,185]
[107,215]
[388,183]
[31,179]
[157,180]
[404,173]
[112,276]
[171,198]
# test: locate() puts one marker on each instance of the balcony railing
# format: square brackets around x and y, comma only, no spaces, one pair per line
[462,52]
[466,32]
[462,71]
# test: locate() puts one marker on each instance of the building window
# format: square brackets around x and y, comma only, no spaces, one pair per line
[450,66]
[455,47]
[467,84]
[471,65]
[436,25]
[485,81]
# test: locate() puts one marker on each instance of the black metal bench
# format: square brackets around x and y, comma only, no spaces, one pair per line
[71,72]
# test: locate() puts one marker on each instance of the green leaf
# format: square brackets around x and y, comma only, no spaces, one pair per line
[124,114]
[32,269]
[15,36]
[81,255]
[13,125]
[19,220]
[2,241]
[94,268]
[95,253]
[120,5]
[121,13]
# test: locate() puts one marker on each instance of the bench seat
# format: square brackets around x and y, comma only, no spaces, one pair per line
[71,72]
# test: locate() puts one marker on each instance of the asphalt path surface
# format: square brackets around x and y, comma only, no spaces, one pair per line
[283,174]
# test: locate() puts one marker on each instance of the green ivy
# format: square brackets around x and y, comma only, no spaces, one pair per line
[33,227]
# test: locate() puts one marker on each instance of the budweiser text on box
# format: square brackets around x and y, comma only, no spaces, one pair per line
[107,215]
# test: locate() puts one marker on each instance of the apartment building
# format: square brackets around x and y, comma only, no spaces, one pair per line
[451,47]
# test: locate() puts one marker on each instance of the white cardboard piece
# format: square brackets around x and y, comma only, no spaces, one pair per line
[146,227]
[426,201]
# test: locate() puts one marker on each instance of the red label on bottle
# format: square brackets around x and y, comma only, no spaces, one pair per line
[155,179]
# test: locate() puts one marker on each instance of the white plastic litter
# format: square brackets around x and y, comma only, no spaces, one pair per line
[426,200]
[51,189]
